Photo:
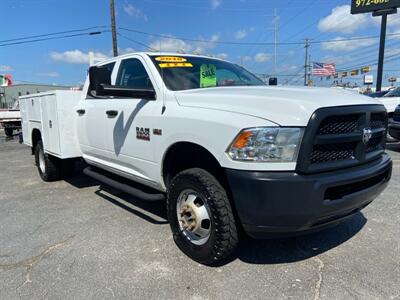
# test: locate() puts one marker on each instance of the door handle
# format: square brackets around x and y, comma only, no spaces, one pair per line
[112,113]
[80,111]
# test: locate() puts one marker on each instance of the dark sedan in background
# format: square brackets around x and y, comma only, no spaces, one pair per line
[394,126]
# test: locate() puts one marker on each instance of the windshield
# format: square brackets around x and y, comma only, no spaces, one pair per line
[187,72]
[393,93]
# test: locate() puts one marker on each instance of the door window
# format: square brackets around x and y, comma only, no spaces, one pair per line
[133,74]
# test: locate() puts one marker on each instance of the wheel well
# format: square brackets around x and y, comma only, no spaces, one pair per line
[36,137]
[184,155]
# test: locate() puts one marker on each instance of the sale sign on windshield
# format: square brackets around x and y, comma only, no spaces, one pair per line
[364,6]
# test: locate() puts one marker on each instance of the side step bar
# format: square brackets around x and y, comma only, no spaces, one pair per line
[123,186]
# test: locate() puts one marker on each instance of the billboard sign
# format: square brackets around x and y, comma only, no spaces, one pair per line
[368,79]
[366,6]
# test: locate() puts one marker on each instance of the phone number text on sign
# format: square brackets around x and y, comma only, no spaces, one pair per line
[364,6]
[370,2]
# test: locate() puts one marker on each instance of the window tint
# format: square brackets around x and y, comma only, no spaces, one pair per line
[133,74]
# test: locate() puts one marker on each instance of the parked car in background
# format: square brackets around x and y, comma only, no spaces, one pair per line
[394,126]
[378,94]
[391,100]
[10,120]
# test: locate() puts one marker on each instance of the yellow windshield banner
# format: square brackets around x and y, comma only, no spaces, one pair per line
[176,65]
[170,59]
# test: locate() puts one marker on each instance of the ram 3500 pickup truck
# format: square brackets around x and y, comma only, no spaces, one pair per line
[227,152]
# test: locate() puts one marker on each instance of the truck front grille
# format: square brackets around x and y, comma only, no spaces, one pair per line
[332,152]
[341,137]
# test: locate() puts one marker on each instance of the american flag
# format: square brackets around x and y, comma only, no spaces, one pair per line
[321,69]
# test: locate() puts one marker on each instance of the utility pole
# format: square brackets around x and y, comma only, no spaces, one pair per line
[381,51]
[306,62]
[275,23]
[113,29]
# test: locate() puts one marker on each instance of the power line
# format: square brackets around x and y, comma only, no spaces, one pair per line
[52,34]
[54,38]
[136,42]
[250,43]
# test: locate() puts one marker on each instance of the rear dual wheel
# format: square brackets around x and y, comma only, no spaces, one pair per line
[201,217]
[51,168]
[9,132]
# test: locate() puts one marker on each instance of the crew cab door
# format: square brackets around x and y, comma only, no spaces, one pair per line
[130,123]
[91,117]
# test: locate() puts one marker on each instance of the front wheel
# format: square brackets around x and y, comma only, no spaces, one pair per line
[201,217]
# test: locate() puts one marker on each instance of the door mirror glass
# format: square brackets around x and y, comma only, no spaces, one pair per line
[98,76]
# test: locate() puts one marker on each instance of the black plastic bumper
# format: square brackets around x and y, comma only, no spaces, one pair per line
[394,130]
[273,204]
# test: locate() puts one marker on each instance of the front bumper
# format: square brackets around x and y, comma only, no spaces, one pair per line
[271,204]
[394,129]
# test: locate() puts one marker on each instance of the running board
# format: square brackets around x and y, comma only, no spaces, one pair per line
[126,188]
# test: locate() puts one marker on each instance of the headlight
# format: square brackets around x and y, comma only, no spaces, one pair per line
[266,144]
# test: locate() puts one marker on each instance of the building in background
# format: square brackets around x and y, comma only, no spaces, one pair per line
[9,94]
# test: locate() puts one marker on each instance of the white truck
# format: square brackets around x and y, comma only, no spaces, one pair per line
[228,153]
[10,120]
[391,100]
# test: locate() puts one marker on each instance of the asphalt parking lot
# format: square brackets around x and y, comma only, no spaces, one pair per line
[77,240]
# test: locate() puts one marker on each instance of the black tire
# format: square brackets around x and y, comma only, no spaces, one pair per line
[223,238]
[50,170]
[390,139]
[8,132]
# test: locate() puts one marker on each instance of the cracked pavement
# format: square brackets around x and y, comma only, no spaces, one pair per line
[75,239]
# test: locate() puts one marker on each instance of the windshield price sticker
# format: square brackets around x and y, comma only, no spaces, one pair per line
[176,65]
[208,76]
[364,6]
[170,59]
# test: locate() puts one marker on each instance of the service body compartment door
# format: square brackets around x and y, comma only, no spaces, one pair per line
[51,134]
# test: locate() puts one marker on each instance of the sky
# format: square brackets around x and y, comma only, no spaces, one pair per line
[227,29]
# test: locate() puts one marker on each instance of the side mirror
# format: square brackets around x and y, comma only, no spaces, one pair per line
[273,81]
[97,77]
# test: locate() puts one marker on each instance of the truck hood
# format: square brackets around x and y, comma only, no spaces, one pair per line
[285,106]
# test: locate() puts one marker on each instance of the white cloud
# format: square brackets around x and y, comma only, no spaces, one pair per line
[79,57]
[262,57]
[221,55]
[76,56]
[133,11]
[125,51]
[241,34]
[246,58]
[346,45]
[215,3]
[177,45]
[287,68]
[338,60]
[4,68]
[340,20]
[49,74]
